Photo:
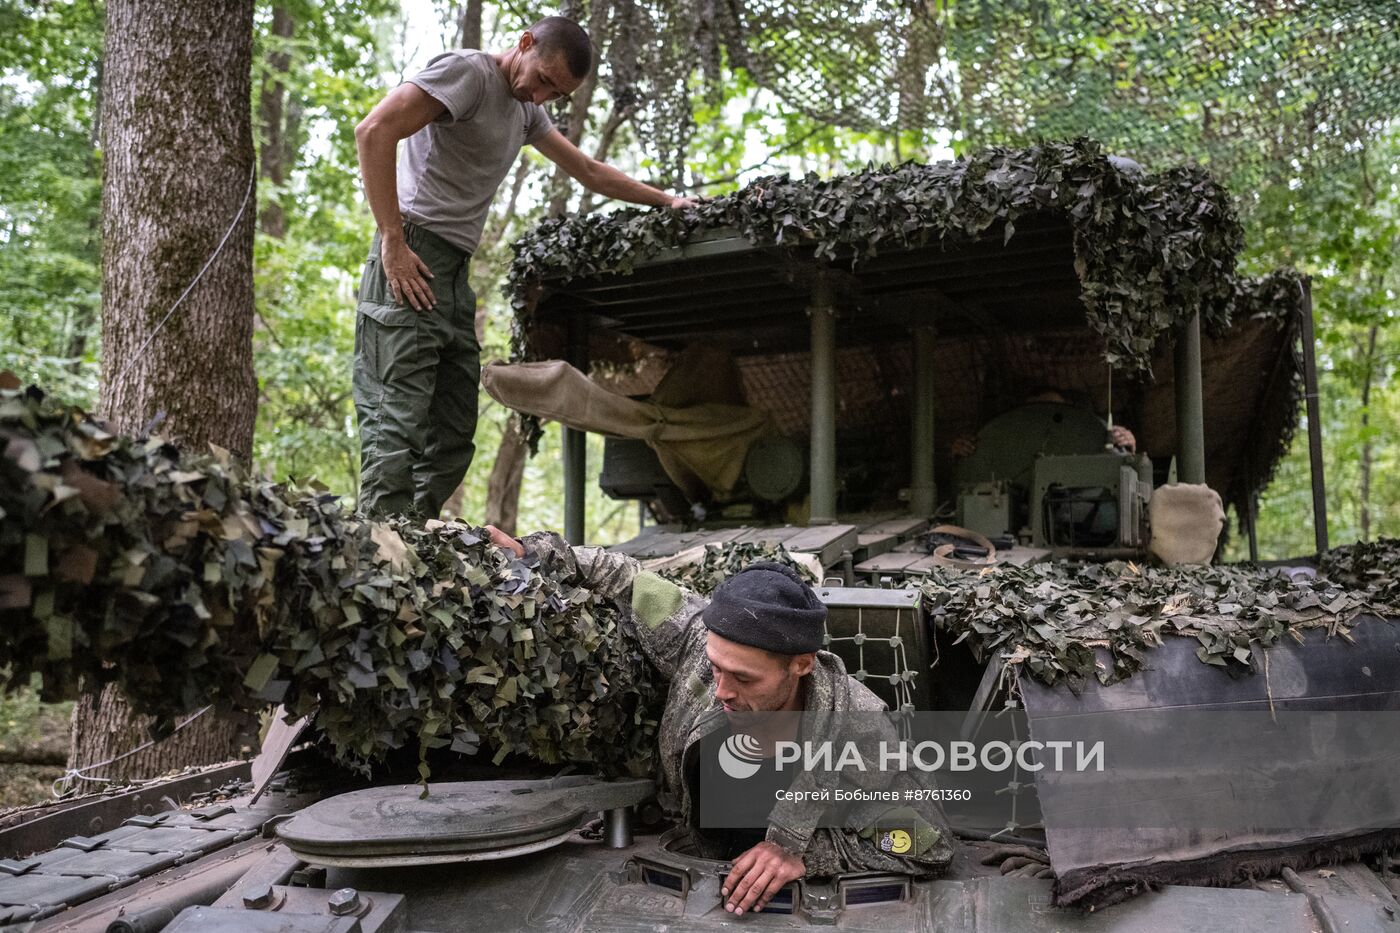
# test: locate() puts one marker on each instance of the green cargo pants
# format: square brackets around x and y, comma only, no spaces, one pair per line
[415,383]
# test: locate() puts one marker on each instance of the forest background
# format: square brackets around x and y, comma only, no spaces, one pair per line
[320,65]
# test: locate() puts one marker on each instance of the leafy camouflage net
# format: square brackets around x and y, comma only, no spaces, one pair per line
[1151,250]
[1373,565]
[189,582]
[1048,618]
[724,560]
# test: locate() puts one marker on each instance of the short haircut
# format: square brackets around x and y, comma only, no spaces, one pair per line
[561,35]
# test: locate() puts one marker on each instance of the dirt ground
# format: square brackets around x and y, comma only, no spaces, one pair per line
[33,747]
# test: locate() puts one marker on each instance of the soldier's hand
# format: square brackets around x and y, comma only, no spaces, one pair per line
[407,275]
[505,541]
[679,202]
[964,446]
[1017,860]
[759,874]
[1122,437]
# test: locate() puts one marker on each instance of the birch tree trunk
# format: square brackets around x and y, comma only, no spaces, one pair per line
[178,161]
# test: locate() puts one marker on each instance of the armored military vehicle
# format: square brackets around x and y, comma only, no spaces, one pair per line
[791,366]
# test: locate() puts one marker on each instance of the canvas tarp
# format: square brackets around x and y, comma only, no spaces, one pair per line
[701,447]
[1210,778]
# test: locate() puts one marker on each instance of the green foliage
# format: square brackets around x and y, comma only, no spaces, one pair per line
[305,276]
[49,235]
[29,726]
[187,582]
[1341,229]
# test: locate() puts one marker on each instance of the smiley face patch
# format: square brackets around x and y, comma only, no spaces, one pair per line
[896,842]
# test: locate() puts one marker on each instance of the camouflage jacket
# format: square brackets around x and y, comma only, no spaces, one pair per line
[665,618]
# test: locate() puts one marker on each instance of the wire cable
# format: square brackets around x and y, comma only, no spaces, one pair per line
[64,784]
[252,178]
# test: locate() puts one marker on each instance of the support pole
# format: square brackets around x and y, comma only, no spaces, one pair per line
[1250,507]
[823,490]
[1190,415]
[576,442]
[922,491]
[1319,485]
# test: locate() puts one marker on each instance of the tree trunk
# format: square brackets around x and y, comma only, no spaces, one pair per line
[178,160]
[469,25]
[274,117]
[503,486]
[1367,452]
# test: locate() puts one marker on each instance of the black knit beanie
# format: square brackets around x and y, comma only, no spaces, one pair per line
[767,605]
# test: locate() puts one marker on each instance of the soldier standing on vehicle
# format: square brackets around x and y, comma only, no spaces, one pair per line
[465,118]
[754,648]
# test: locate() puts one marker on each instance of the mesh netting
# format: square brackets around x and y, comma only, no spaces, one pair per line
[1255,89]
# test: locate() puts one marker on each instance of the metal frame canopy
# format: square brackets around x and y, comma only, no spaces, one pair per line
[724,290]
[935,313]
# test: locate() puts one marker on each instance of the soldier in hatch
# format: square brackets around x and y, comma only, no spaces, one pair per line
[754,648]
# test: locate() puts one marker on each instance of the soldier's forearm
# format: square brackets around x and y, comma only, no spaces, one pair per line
[377,152]
[604,572]
[610,182]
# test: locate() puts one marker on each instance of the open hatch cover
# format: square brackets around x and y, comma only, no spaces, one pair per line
[457,822]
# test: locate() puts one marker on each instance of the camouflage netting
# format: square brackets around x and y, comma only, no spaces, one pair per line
[1371,565]
[724,560]
[189,582]
[1258,91]
[1151,251]
[1047,619]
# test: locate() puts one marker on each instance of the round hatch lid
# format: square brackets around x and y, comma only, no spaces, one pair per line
[455,822]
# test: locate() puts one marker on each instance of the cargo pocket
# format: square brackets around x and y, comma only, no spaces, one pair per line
[389,338]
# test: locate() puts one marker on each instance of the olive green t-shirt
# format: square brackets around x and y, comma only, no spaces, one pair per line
[450,169]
